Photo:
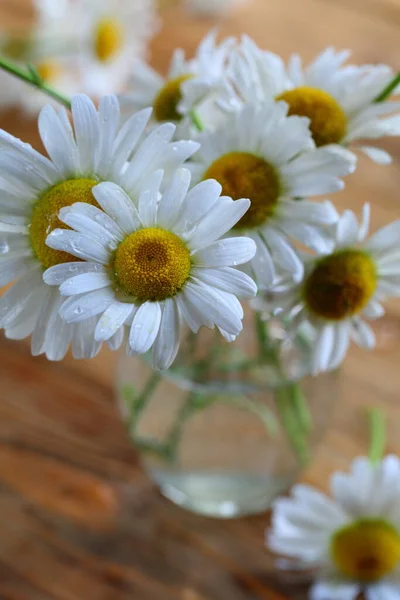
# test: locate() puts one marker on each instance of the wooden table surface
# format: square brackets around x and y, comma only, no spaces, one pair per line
[78,520]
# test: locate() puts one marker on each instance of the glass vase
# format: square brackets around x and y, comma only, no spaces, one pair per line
[229,426]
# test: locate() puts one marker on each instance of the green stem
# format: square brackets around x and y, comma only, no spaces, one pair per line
[291,425]
[392,85]
[196,120]
[300,407]
[32,77]
[378,435]
[141,401]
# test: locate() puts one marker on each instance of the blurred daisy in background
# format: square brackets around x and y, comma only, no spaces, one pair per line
[113,34]
[350,542]
[262,154]
[155,265]
[188,85]
[34,189]
[342,287]
[341,101]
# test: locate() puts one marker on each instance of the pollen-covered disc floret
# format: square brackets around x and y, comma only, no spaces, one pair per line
[341,288]
[339,99]
[33,190]
[45,216]
[340,285]
[244,175]
[155,265]
[350,541]
[366,550]
[151,264]
[262,154]
[189,85]
[327,118]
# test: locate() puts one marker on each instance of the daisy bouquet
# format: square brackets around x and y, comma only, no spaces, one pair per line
[157,212]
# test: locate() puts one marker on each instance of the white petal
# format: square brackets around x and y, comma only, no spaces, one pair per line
[347,229]
[284,254]
[383,591]
[45,316]
[101,220]
[14,299]
[191,314]
[59,273]
[128,138]
[145,327]
[362,334]
[59,141]
[115,342]
[89,228]
[86,126]
[173,197]
[197,203]
[109,115]
[78,245]
[83,343]
[323,349]
[263,264]
[85,282]
[226,253]
[112,320]
[365,221]
[385,239]
[212,305]
[331,590]
[374,310]
[167,342]
[340,345]
[229,280]
[117,204]
[377,155]
[148,202]
[219,221]
[80,308]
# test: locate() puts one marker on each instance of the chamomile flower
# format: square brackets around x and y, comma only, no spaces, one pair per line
[34,188]
[189,83]
[261,154]
[113,34]
[339,100]
[350,541]
[156,265]
[343,287]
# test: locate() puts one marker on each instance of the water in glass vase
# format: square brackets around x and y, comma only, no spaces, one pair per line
[229,426]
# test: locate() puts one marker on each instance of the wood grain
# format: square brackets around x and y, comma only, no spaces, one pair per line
[78,519]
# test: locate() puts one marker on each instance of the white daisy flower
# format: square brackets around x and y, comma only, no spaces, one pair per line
[263,155]
[189,84]
[339,100]
[352,541]
[156,266]
[34,188]
[113,34]
[342,287]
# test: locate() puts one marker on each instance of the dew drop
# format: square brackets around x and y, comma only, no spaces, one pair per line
[4,247]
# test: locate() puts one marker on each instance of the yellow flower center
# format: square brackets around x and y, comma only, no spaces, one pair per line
[341,285]
[367,550]
[168,98]
[48,70]
[45,217]
[328,120]
[151,264]
[109,39]
[244,175]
